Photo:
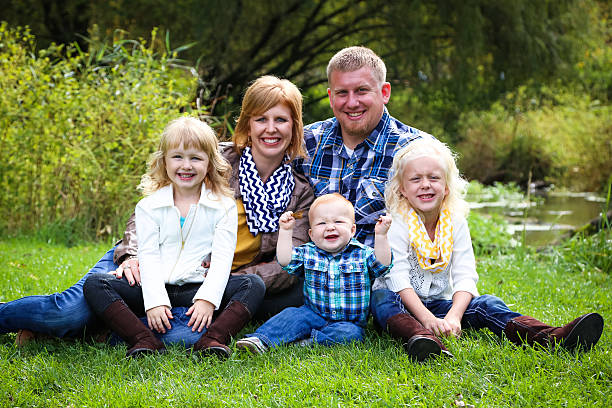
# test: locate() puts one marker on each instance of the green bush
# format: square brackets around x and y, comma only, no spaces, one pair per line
[76,130]
[563,138]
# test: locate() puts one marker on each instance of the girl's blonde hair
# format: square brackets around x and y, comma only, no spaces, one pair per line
[191,133]
[263,94]
[427,147]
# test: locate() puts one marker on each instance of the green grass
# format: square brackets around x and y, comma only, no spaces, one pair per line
[486,371]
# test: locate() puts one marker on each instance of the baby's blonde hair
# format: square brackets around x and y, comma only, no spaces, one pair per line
[191,133]
[329,198]
[427,147]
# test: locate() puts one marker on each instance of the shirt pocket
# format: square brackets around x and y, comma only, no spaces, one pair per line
[353,276]
[316,276]
[370,199]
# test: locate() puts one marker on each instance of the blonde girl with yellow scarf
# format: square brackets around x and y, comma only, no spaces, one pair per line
[431,289]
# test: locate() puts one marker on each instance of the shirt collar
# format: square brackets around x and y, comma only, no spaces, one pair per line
[332,138]
[164,197]
[352,243]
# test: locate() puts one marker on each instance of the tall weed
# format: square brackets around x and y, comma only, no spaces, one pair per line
[76,130]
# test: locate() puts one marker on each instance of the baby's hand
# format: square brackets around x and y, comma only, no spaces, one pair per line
[382,225]
[286,221]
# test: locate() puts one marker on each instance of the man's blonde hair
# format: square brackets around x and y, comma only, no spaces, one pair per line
[329,198]
[353,58]
[427,147]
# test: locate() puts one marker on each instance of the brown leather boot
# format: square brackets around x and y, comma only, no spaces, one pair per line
[419,342]
[140,339]
[582,332]
[231,320]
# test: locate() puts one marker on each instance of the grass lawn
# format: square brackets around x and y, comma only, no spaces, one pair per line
[486,371]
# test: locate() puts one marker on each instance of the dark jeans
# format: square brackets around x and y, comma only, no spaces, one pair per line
[483,311]
[102,289]
[273,304]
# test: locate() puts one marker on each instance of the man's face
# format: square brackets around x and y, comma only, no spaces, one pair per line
[357,100]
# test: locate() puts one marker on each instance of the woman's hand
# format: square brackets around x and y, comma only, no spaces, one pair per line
[201,313]
[158,318]
[129,267]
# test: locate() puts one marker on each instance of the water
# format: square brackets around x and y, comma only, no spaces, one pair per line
[548,218]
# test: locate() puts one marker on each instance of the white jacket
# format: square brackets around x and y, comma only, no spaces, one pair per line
[460,274]
[170,254]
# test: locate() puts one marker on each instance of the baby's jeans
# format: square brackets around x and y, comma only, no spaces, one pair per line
[483,311]
[296,323]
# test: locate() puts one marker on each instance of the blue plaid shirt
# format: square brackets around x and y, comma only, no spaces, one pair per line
[337,286]
[361,177]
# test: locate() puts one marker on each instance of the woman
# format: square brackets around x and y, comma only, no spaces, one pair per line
[268,135]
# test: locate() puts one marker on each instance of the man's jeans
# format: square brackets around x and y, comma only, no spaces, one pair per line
[66,314]
[296,323]
[63,314]
[483,311]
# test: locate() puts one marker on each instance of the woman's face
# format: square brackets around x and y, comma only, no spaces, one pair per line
[271,133]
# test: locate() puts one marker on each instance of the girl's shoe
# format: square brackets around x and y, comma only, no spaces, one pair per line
[252,344]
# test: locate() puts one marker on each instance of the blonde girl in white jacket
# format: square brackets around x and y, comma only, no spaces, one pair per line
[186,226]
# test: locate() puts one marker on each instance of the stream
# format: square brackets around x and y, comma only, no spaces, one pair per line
[546,218]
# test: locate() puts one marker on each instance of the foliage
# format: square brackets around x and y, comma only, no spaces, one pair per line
[452,55]
[584,253]
[563,139]
[489,233]
[76,130]
[486,371]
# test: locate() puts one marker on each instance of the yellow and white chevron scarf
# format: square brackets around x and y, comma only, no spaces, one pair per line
[440,250]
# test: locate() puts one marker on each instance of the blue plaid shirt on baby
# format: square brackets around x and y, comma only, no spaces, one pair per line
[337,286]
[359,177]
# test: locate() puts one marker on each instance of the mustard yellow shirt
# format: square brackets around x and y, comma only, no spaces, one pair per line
[247,245]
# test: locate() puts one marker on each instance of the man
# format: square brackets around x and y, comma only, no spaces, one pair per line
[352,152]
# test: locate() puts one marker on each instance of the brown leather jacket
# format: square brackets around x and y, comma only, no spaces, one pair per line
[264,264]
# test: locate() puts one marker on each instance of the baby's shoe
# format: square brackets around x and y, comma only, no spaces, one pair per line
[252,344]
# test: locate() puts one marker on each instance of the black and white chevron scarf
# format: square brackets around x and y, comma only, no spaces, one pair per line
[264,202]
